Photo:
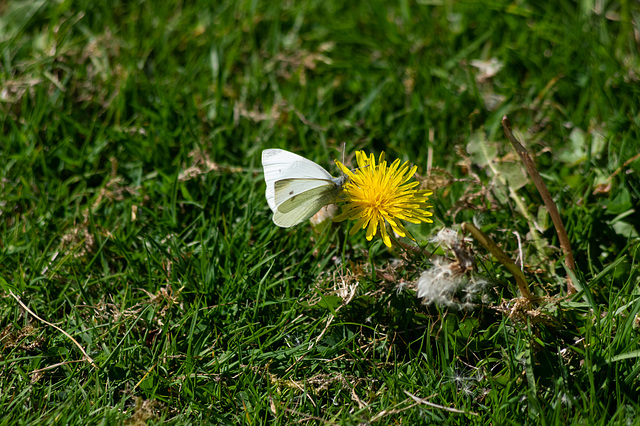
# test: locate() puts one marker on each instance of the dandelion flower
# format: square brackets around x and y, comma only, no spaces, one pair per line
[381,195]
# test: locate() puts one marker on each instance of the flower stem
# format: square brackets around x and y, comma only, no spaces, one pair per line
[546,197]
[502,257]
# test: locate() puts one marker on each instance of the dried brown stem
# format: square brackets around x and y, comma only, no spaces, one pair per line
[546,197]
[502,257]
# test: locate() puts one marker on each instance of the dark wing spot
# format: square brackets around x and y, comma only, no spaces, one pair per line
[290,192]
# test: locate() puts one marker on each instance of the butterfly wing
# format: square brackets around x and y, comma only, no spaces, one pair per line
[292,191]
[299,199]
[279,164]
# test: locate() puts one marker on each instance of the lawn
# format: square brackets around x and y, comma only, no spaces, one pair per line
[143,281]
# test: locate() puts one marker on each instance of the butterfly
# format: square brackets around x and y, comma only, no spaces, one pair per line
[296,187]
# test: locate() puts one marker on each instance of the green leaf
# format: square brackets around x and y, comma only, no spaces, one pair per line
[511,174]
[620,203]
[481,152]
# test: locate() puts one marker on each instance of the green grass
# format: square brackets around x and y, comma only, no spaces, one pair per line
[133,217]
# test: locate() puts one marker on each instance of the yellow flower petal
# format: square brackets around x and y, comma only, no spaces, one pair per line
[380,195]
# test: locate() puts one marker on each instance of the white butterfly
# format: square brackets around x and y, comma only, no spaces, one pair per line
[296,187]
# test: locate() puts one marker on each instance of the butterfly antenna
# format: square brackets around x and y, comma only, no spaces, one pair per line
[344,152]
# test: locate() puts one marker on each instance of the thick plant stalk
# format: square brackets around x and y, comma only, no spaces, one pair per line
[502,257]
[546,197]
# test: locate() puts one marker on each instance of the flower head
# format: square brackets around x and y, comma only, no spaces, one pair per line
[381,195]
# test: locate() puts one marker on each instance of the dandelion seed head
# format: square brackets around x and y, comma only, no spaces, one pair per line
[446,237]
[400,287]
[465,381]
[442,284]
